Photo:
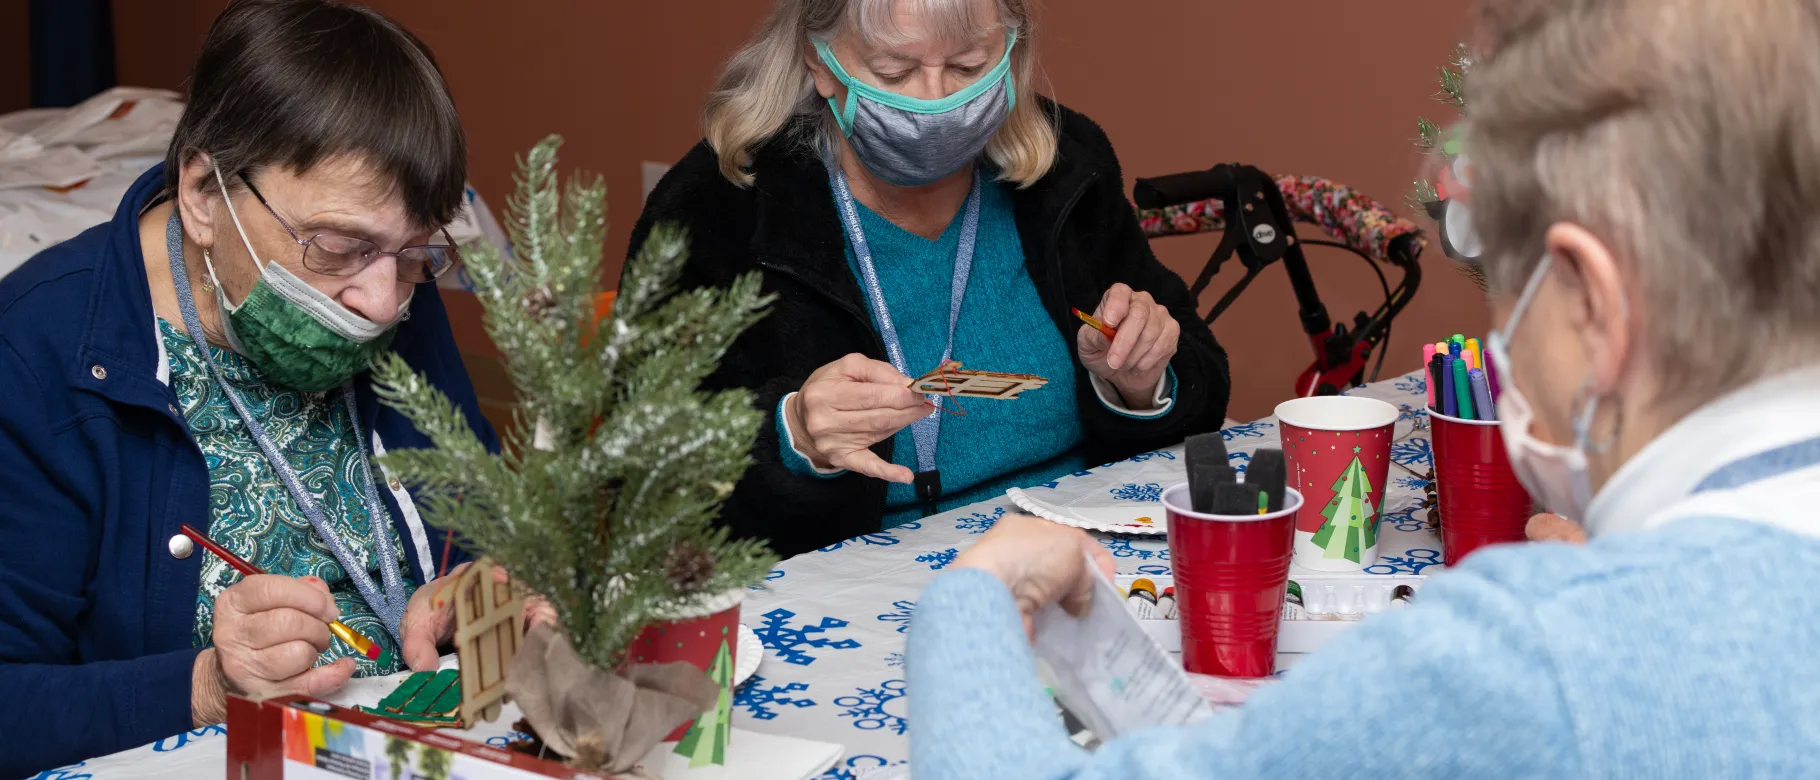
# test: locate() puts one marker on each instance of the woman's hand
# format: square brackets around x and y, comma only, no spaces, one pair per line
[1135,361]
[268,632]
[1547,527]
[849,405]
[429,620]
[1042,563]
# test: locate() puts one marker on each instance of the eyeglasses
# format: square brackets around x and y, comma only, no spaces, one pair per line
[333,255]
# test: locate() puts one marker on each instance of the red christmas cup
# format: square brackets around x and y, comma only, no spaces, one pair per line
[1231,572]
[694,637]
[1337,449]
[1481,500]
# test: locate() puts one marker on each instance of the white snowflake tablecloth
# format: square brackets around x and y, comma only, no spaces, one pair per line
[833,621]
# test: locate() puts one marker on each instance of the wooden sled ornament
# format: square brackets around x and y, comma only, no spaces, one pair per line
[948,379]
[489,622]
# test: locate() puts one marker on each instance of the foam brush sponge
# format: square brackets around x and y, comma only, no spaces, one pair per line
[1269,473]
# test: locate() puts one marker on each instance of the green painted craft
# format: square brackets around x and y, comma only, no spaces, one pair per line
[427,698]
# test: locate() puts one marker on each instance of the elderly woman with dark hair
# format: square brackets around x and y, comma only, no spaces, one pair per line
[201,360]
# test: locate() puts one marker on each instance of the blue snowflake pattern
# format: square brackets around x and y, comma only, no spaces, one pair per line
[1412,452]
[1413,385]
[879,539]
[758,698]
[1122,547]
[1144,456]
[1153,570]
[63,773]
[1413,483]
[979,522]
[171,743]
[857,767]
[901,617]
[1130,491]
[895,660]
[938,560]
[1414,563]
[788,641]
[871,708]
[1405,519]
[1082,473]
[507,740]
[1417,416]
[1245,430]
[774,574]
[1239,460]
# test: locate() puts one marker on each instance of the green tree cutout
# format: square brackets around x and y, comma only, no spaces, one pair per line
[604,498]
[433,763]
[398,756]
[1351,525]
[706,741]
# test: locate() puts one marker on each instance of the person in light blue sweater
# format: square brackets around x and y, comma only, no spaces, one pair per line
[1645,204]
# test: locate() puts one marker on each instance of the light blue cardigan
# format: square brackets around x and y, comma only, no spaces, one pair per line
[1683,647]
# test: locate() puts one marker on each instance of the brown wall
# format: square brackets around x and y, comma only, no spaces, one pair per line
[15,73]
[1328,88]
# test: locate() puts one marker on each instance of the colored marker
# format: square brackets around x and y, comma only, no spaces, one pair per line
[1481,395]
[1478,353]
[1463,389]
[1428,356]
[367,647]
[1449,402]
[1095,324]
[1454,348]
[1458,339]
[1437,381]
[1470,357]
[1263,503]
[1491,381]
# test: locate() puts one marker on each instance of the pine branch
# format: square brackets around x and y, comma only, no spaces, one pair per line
[1423,194]
[641,459]
[1428,134]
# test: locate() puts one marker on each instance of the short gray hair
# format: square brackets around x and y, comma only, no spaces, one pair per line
[765,85]
[1686,134]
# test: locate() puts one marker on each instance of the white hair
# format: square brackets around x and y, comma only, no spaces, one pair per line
[1684,133]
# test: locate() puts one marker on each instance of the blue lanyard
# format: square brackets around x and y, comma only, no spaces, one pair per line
[389,606]
[928,430]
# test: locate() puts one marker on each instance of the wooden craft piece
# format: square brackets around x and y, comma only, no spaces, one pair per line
[950,380]
[489,622]
[428,698]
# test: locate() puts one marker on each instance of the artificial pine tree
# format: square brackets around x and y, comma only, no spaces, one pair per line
[706,741]
[604,498]
[1350,528]
[1444,199]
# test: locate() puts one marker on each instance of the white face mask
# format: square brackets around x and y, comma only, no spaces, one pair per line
[1555,475]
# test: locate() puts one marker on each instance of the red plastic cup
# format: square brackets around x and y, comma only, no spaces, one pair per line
[1482,502]
[1231,573]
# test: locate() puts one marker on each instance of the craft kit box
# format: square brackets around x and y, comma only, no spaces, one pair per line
[291,737]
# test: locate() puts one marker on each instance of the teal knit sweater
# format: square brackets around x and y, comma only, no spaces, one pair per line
[1002,327]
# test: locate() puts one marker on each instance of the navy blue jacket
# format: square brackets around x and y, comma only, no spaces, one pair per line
[97,470]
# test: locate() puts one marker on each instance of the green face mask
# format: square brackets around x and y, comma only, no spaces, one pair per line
[298,336]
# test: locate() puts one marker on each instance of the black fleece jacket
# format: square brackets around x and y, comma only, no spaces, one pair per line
[1079,237]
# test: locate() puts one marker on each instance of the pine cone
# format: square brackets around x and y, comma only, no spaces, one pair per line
[689,565]
[539,302]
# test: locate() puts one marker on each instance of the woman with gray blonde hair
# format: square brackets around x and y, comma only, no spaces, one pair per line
[890,171]
[1645,178]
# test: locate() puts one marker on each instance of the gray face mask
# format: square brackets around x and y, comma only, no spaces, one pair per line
[911,142]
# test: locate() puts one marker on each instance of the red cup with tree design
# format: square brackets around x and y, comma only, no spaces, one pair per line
[1337,450]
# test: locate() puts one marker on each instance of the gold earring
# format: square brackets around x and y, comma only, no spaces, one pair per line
[208,280]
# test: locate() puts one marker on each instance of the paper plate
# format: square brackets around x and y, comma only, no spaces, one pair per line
[751,654]
[1106,514]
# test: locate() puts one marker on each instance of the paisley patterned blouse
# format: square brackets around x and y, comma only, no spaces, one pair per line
[251,512]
